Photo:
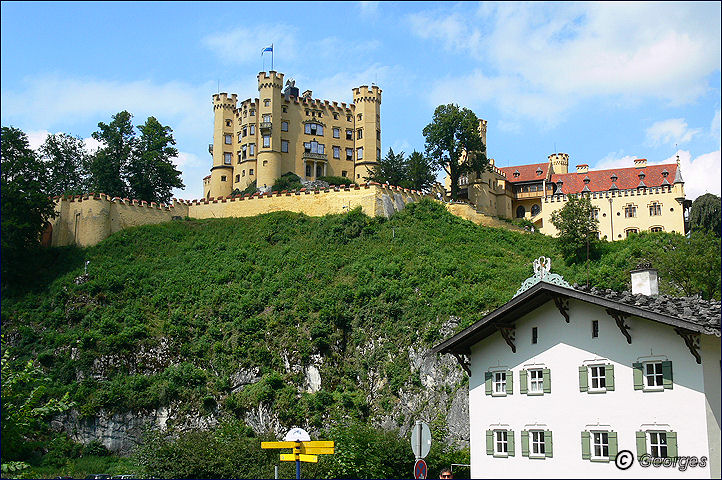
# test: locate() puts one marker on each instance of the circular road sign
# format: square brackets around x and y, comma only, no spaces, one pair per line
[297,435]
[420,439]
[420,470]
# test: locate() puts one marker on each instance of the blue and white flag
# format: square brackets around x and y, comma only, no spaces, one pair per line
[267,49]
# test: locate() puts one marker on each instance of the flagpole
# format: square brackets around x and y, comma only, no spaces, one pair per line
[271,56]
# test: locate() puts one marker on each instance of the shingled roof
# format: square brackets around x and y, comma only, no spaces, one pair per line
[625,178]
[527,173]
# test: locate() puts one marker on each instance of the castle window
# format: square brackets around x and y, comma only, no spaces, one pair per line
[336,132]
[359,117]
[267,102]
[520,211]
[228,139]
[253,113]
[344,173]
[320,114]
[535,209]
[336,152]
[630,211]
[308,170]
[595,328]
[227,158]
[314,129]
[244,131]
[378,154]
[250,172]
[284,109]
[349,154]
[238,178]
[378,135]
[349,134]
[595,214]
[656,229]
[223,178]
[284,146]
[253,130]
[267,118]
[251,149]
[359,134]
[314,147]
[228,123]
[284,126]
[319,171]
[266,141]
[239,137]
[243,173]
[348,118]
[335,116]
[631,231]
[360,153]
[243,152]
[655,209]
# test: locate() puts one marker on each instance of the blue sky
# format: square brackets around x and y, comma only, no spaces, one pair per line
[605,83]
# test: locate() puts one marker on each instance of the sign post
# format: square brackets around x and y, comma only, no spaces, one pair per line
[304,450]
[420,444]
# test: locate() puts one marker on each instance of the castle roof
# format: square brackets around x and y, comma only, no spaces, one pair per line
[527,173]
[625,178]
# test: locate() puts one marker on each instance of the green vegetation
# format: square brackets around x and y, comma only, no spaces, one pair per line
[331,180]
[287,181]
[204,299]
[416,171]
[577,228]
[706,214]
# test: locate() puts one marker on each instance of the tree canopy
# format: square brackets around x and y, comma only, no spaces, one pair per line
[416,171]
[706,214]
[66,158]
[453,143]
[108,165]
[577,228]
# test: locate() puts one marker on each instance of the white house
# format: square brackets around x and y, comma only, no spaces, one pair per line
[563,379]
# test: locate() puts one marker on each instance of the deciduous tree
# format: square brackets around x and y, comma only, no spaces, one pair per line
[453,143]
[108,165]
[577,228]
[66,161]
[706,214]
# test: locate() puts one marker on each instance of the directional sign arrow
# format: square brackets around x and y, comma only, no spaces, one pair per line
[290,457]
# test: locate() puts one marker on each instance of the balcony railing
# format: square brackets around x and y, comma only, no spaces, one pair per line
[265,127]
[314,156]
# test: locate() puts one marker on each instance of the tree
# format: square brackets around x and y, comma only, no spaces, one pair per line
[390,169]
[692,264]
[24,410]
[420,171]
[24,201]
[706,214]
[577,228]
[108,165]
[453,143]
[415,172]
[66,159]
[151,174]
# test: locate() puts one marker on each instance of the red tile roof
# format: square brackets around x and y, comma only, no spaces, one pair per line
[527,173]
[600,180]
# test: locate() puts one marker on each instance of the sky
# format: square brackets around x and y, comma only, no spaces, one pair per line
[603,82]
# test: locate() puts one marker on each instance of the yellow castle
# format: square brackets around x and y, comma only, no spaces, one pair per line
[282,131]
[626,200]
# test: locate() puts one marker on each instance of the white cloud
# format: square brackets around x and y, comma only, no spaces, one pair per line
[36,138]
[714,128]
[613,160]
[560,54]
[672,131]
[244,45]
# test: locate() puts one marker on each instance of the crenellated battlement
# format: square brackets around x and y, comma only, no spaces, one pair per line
[364,94]
[270,79]
[224,101]
[633,192]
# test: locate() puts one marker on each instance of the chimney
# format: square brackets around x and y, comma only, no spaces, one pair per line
[640,162]
[644,280]
[583,168]
[307,94]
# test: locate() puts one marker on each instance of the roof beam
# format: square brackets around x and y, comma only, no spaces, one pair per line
[691,339]
[619,318]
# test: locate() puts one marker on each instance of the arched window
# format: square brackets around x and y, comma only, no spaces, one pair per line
[520,211]
[535,209]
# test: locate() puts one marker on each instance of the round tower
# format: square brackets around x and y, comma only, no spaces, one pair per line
[559,162]
[482,131]
[367,124]
[221,181]
[269,162]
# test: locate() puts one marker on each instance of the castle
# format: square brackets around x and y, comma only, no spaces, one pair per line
[625,200]
[280,132]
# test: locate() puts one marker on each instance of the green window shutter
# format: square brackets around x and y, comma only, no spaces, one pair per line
[609,374]
[583,379]
[487,382]
[548,443]
[641,443]
[522,382]
[638,376]
[613,445]
[667,379]
[586,446]
[490,442]
[510,442]
[509,382]
[547,380]
[524,443]
[671,444]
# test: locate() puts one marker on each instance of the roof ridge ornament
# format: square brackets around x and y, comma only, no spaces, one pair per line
[542,273]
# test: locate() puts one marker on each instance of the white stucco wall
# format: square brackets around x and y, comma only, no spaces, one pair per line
[567,412]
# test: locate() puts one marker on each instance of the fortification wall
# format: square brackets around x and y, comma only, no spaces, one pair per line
[468,212]
[85,220]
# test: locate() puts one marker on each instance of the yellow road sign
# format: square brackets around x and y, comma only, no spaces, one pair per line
[278,444]
[316,450]
[290,457]
[319,443]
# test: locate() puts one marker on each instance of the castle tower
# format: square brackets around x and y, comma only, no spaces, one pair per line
[221,181]
[268,164]
[559,162]
[482,131]
[367,123]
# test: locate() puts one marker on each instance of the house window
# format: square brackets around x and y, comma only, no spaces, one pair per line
[284,146]
[360,153]
[595,328]
[336,132]
[500,383]
[653,376]
[267,103]
[336,152]
[344,173]
[349,134]
[359,134]
[658,444]
[223,178]
[536,381]
[251,149]
[227,158]
[253,130]
[537,444]
[267,118]
[501,442]
[596,378]
[630,211]
[228,139]
[534,336]
[250,172]
[655,209]
[656,229]
[600,445]
[349,154]
[308,170]
[266,141]
[284,126]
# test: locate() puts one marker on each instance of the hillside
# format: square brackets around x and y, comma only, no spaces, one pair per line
[279,320]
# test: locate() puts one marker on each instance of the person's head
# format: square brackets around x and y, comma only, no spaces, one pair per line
[446,473]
